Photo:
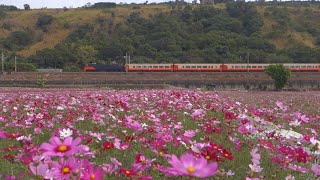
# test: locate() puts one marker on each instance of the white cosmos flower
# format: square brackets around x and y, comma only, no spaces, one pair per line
[66,133]
[295,123]
[144,125]
[255,168]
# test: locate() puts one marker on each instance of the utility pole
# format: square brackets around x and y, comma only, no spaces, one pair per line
[2,63]
[126,58]
[129,59]
[248,56]
[15,64]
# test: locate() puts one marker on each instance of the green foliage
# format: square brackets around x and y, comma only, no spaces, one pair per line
[247,13]
[41,82]
[79,33]
[21,66]
[8,8]
[52,58]
[44,21]
[280,74]
[17,40]
[7,26]
[3,14]
[26,7]
[104,5]
[187,34]
[318,41]
[72,68]
[304,54]
[26,67]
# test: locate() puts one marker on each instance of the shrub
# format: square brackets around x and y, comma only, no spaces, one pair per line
[3,14]
[104,5]
[44,21]
[280,74]
[7,8]
[26,67]
[17,40]
[7,26]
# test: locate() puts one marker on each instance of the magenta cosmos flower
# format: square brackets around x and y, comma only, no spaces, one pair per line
[67,147]
[66,169]
[89,173]
[190,166]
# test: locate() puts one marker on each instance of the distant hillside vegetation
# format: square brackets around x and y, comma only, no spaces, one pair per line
[159,33]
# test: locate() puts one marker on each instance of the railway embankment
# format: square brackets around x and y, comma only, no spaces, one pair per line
[220,80]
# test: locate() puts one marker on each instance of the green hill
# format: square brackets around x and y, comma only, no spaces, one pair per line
[221,33]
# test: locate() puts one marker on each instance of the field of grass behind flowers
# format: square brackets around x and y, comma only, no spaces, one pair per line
[158,134]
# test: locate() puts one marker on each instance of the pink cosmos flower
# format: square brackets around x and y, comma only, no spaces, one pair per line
[40,170]
[304,118]
[289,177]
[67,147]
[247,128]
[108,168]
[133,124]
[157,144]
[65,168]
[255,168]
[142,163]
[4,134]
[316,170]
[189,165]
[248,178]
[298,168]
[189,133]
[255,156]
[281,106]
[197,113]
[89,173]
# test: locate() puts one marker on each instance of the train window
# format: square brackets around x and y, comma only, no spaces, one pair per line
[303,66]
[259,66]
[232,66]
[309,66]
[248,66]
[237,66]
[187,66]
[254,66]
[166,66]
[138,66]
[205,66]
[160,66]
[198,66]
[134,66]
[182,66]
[155,66]
[144,66]
[193,66]
[149,66]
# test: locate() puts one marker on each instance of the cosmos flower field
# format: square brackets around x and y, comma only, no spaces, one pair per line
[158,134]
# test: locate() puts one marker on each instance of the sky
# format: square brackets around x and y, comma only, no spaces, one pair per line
[36,4]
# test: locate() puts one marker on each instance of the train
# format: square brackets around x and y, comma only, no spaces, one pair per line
[194,67]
